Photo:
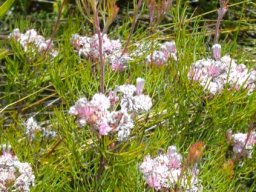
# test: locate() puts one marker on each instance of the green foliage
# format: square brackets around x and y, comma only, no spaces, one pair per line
[182,113]
[5,7]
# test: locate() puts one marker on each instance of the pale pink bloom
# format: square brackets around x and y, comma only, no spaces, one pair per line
[195,74]
[15,34]
[117,66]
[154,182]
[104,128]
[85,111]
[216,51]
[100,112]
[175,159]
[119,63]
[214,71]
[169,46]
[30,40]
[164,172]
[242,142]
[113,98]
[139,85]
[241,68]
[101,101]
[213,75]
[14,175]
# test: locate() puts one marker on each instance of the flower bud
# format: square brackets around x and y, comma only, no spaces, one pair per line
[139,85]
[216,51]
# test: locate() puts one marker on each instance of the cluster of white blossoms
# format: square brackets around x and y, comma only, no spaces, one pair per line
[162,52]
[100,112]
[160,57]
[88,47]
[14,175]
[32,128]
[31,40]
[242,143]
[165,172]
[215,74]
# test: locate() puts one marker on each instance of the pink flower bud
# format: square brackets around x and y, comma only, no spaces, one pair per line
[139,85]
[216,51]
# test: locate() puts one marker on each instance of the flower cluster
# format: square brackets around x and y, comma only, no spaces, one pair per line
[165,171]
[242,143]
[160,57]
[14,175]
[88,47]
[101,114]
[161,54]
[31,40]
[32,127]
[214,74]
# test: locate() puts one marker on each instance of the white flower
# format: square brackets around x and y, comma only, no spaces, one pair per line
[137,104]
[31,126]
[124,124]
[30,40]
[157,57]
[12,171]
[101,101]
[164,171]
[49,133]
[213,75]
[143,103]
[100,112]
[242,143]
[126,89]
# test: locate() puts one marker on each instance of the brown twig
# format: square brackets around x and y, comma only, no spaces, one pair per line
[54,147]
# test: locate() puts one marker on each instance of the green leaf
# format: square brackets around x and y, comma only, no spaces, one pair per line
[5,7]
[3,53]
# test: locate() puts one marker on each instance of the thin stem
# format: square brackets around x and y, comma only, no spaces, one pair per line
[135,17]
[221,12]
[250,130]
[55,27]
[102,66]
[217,30]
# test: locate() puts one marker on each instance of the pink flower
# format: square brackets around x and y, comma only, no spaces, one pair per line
[195,74]
[104,128]
[113,98]
[241,68]
[139,85]
[117,66]
[154,182]
[174,158]
[214,71]
[85,111]
[216,51]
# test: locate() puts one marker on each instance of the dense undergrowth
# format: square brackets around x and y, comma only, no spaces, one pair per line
[183,113]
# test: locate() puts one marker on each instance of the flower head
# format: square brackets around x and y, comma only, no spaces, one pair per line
[14,175]
[165,171]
